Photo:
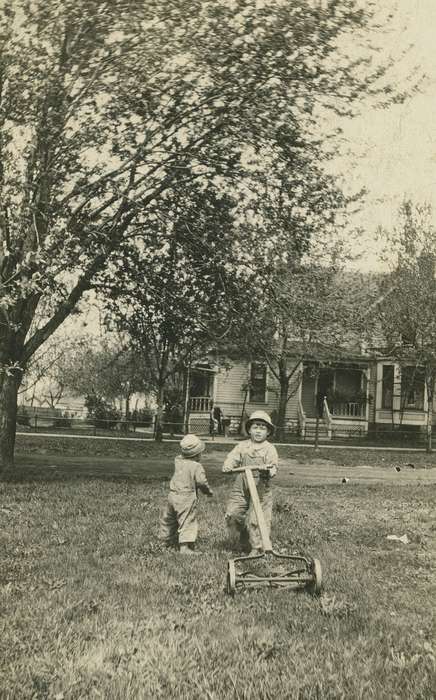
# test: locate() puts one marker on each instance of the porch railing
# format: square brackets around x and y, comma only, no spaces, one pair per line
[326,414]
[349,409]
[200,404]
[301,418]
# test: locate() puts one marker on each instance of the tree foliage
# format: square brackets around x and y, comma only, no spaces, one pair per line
[105,107]
[173,294]
[44,379]
[310,312]
[105,368]
[407,304]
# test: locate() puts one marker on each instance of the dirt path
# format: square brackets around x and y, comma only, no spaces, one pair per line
[326,471]
[311,471]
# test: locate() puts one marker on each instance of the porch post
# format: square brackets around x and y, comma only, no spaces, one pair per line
[397,412]
[367,374]
[214,386]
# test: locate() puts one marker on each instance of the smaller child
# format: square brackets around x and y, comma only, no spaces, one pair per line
[178,522]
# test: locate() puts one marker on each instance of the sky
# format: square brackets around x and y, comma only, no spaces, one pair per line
[395,148]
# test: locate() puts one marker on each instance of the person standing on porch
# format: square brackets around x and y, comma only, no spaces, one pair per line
[215,420]
[213,423]
[218,417]
[240,516]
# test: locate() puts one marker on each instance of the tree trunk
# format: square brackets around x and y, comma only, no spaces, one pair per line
[241,420]
[186,387]
[429,427]
[158,426]
[283,402]
[161,379]
[9,385]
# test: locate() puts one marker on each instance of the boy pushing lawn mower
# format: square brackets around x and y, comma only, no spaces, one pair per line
[249,511]
[178,522]
[240,516]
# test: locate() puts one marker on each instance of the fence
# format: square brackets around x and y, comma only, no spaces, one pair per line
[52,420]
[358,436]
[355,435]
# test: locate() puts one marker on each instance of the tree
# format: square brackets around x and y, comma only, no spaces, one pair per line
[104,367]
[45,375]
[173,294]
[56,225]
[106,107]
[306,314]
[407,306]
[108,369]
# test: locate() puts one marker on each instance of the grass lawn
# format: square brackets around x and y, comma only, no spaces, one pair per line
[93,606]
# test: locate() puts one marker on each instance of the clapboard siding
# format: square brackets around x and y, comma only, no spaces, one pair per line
[229,392]
[229,395]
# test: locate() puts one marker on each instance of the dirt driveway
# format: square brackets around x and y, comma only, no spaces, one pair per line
[303,468]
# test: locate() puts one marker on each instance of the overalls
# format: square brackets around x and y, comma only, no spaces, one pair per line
[178,521]
[240,516]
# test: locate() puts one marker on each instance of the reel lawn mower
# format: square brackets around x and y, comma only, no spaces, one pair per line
[294,571]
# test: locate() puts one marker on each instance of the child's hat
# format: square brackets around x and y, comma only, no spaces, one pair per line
[191,445]
[261,416]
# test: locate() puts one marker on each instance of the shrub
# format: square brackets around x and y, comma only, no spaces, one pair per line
[100,413]
[142,417]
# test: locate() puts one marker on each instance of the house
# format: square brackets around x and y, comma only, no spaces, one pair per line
[359,394]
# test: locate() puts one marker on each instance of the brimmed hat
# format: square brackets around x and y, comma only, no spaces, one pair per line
[191,445]
[261,416]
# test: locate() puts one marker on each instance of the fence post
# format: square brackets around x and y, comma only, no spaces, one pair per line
[36,420]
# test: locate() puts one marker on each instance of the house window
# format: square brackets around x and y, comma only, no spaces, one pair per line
[257,382]
[412,388]
[387,386]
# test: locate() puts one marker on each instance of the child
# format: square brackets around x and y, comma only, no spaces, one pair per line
[179,518]
[240,517]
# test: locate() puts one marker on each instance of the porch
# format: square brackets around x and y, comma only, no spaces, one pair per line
[403,399]
[338,396]
[200,404]
[201,389]
[199,415]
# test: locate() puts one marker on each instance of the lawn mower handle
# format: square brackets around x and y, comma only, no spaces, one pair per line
[251,468]
[257,506]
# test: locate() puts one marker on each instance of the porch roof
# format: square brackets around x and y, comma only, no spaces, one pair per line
[349,363]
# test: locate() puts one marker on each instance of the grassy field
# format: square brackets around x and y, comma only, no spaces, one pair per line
[93,606]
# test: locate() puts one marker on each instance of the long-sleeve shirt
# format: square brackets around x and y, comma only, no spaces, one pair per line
[188,477]
[249,452]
